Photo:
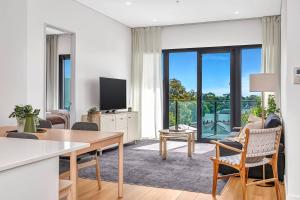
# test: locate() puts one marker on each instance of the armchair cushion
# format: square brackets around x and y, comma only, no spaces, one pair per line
[272,121]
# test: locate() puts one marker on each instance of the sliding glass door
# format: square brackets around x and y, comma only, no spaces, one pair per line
[215,95]
[182,88]
[203,88]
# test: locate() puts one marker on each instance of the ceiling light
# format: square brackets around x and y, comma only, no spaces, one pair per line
[236,12]
[154,20]
[128,3]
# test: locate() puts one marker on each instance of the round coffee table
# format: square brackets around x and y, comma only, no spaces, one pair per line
[166,134]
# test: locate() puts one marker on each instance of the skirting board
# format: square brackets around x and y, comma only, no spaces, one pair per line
[289,196]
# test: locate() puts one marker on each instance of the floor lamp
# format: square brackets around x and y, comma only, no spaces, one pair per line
[264,82]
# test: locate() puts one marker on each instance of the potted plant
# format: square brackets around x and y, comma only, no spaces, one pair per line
[93,114]
[271,109]
[25,114]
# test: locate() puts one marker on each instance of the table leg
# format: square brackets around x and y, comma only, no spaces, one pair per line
[120,181]
[73,174]
[193,141]
[189,145]
[160,144]
[165,148]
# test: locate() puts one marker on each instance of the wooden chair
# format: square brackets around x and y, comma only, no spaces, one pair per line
[65,189]
[257,145]
[84,160]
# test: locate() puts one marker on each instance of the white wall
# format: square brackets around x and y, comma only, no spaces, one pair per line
[291,94]
[225,33]
[103,48]
[13,56]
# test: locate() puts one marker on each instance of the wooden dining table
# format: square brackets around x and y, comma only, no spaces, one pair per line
[96,139]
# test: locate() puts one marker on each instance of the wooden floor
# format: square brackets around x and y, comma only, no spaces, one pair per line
[232,191]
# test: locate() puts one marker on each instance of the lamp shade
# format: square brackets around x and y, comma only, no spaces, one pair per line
[264,82]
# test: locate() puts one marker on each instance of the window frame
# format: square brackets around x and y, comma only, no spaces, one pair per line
[61,96]
[235,82]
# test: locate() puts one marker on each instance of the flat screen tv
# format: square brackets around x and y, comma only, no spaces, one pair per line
[112,94]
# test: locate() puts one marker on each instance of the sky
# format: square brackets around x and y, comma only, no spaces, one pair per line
[215,70]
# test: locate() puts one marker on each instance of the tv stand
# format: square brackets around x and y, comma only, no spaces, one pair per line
[125,122]
[110,111]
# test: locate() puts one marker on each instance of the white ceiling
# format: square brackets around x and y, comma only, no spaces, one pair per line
[139,13]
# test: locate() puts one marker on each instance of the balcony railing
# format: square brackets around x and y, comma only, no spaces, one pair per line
[215,115]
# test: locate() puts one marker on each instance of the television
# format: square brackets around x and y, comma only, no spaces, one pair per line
[112,94]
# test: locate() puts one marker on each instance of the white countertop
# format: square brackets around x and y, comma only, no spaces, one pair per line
[17,152]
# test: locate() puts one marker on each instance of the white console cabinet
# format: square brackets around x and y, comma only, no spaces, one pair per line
[126,122]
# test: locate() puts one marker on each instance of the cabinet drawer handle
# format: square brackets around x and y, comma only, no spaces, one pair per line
[129,117]
[112,120]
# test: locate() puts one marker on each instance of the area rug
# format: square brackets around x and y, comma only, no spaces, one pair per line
[178,146]
[146,167]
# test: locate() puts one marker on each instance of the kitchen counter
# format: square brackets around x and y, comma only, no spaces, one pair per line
[29,169]
[17,152]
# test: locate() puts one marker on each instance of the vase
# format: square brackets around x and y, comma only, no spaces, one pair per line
[93,117]
[20,124]
[30,126]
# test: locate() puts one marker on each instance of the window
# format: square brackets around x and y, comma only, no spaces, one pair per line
[65,82]
[250,64]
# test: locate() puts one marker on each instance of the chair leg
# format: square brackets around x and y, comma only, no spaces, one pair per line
[215,178]
[243,181]
[98,172]
[275,175]
[246,176]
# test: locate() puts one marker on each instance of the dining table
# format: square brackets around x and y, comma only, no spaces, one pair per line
[96,140]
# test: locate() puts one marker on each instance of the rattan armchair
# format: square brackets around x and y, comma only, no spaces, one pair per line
[258,146]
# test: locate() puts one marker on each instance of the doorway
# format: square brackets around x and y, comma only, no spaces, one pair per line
[60,71]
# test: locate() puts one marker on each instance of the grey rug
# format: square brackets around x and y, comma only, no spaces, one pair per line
[145,167]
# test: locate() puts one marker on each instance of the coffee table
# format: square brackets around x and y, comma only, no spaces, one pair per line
[166,134]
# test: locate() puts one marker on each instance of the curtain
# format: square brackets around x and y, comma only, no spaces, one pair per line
[147,79]
[52,72]
[271,53]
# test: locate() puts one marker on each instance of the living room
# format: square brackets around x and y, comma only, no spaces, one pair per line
[158,96]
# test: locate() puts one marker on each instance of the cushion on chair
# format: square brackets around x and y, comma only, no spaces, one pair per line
[272,121]
[250,162]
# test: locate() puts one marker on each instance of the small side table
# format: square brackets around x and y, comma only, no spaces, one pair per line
[166,134]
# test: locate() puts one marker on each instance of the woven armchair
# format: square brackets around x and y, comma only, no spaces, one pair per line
[258,146]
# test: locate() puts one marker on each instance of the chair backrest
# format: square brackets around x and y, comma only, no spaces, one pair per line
[85,126]
[262,142]
[22,135]
[44,124]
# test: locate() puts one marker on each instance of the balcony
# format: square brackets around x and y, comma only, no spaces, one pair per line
[215,115]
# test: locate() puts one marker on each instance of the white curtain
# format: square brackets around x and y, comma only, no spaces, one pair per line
[271,53]
[52,72]
[147,79]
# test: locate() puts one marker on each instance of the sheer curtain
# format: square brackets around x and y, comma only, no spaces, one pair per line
[271,53]
[52,72]
[147,79]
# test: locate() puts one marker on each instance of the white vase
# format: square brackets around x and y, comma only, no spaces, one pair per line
[20,125]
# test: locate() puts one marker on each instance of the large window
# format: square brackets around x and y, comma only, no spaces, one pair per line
[182,88]
[250,64]
[208,88]
[65,82]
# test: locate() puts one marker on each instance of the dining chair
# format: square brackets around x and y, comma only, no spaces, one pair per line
[44,124]
[260,147]
[64,185]
[86,159]
[22,135]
